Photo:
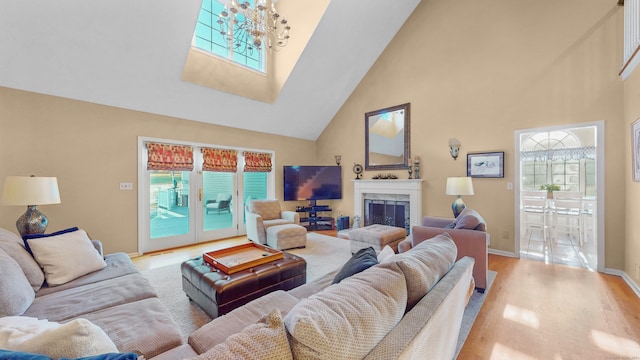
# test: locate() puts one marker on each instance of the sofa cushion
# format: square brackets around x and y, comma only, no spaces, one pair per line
[14,247]
[66,256]
[73,339]
[424,265]
[266,339]
[347,320]
[216,331]
[385,254]
[470,219]
[17,293]
[118,264]
[360,261]
[80,300]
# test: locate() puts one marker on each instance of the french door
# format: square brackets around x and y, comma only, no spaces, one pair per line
[178,208]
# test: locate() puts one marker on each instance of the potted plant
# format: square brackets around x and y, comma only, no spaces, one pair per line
[550,189]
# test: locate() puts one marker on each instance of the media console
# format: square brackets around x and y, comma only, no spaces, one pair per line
[313,221]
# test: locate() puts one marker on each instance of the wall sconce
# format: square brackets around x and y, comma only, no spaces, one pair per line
[338,159]
[454,147]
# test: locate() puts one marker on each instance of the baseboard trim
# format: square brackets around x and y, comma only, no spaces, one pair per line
[134,254]
[632,284]
[502,253]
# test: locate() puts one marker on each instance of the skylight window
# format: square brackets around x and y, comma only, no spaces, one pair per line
[209,38]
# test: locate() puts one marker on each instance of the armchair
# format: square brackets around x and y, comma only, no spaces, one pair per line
[468,232]
[221,203]
[262,214]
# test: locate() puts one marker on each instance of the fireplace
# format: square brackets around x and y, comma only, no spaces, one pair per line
[388,202]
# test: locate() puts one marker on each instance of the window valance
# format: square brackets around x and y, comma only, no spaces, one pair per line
[169,157]
[257,162]
[586,152]
[220,160]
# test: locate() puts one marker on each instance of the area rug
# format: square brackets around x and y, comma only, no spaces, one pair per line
[323,254]
[472,310]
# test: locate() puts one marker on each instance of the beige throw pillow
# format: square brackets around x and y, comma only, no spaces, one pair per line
[424,265]
[77,338]
[16,294]
[347,320]
[266,340]
[14,247]
[66,256]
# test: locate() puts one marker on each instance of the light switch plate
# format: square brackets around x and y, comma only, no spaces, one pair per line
[126,186]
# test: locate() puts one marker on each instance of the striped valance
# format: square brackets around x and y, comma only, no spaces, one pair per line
[169,157]
[257,162]
[220,160]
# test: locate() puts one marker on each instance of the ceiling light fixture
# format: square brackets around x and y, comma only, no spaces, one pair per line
[247,28]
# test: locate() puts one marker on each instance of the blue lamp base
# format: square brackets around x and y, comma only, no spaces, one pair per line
[457,206]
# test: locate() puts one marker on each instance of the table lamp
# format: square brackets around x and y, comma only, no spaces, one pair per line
[459,186]
[31,191]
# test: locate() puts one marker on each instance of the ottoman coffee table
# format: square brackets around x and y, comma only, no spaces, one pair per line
[251,271]
[376,236]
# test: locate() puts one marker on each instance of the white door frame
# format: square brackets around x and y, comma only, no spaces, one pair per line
[600,183]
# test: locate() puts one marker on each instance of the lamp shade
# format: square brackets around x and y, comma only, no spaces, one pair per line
[459,186]
[30,190]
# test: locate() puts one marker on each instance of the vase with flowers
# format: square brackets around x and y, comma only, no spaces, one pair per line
[550,189]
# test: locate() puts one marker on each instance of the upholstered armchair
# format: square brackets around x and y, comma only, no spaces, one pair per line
[221,203]
[468,232]
[261,214]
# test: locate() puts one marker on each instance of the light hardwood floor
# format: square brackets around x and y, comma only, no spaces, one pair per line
[532,311]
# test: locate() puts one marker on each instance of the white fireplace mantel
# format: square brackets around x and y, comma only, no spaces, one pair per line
[411,187]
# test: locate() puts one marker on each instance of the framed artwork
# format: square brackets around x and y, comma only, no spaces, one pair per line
[635,149]
[486,165]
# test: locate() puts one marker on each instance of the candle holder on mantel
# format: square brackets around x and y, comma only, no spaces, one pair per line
[410,171]
[416,170]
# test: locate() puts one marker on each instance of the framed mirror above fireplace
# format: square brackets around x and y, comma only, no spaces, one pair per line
[387,134]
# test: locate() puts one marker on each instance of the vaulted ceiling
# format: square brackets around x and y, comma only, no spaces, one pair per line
[131,54]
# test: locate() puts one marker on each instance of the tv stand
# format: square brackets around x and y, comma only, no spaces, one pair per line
[313,221]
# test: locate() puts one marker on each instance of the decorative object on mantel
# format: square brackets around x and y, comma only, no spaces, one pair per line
[416,168]
[410,169]
[454,147]
[459,186]
[385,177]
[357,169]
[338,159]
[486,165]
[356,221]
[31,191]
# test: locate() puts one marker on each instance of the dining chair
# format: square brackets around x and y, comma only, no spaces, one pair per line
[533,204]
[567,214]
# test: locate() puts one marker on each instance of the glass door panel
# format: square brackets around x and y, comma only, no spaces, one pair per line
[169,212]
[218,202]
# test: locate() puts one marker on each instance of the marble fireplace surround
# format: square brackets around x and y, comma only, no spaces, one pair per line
[392,188]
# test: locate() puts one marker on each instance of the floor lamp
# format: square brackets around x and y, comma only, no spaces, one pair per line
[459,186]
[31,191]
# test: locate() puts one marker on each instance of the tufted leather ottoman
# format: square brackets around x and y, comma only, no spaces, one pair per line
[218,293]
[376,236]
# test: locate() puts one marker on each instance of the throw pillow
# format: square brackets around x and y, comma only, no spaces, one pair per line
[385,254]
[17,293]
[73,339]
[13,246]
[38,236]
[66,256]
[347,320]
[425,264]
[265,340]
[470,219]
[360,261]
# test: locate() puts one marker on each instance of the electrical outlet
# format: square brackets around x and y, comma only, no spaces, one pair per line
[126,186]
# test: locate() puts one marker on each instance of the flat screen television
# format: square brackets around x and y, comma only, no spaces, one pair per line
[312,182]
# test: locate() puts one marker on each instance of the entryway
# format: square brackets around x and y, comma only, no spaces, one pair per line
[562,168]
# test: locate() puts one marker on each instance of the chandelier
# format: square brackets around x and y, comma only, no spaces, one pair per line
[246,28]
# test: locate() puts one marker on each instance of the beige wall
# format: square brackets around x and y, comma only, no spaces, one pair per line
[92,148]
[478,71]
[632,211]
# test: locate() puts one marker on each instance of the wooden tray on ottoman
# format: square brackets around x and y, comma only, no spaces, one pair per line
[241,257]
